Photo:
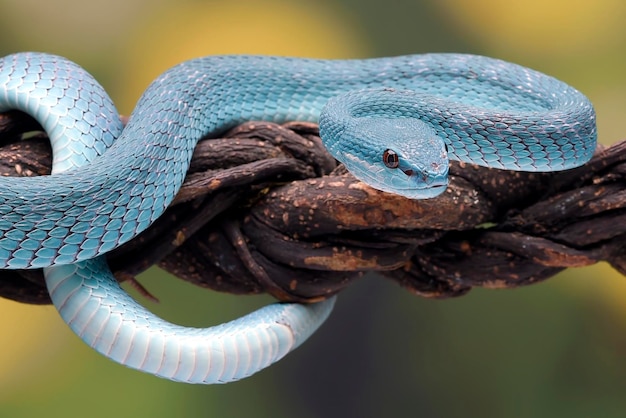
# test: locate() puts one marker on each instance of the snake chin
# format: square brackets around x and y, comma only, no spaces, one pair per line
[426,193]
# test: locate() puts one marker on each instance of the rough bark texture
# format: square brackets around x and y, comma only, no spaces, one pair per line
[266,209]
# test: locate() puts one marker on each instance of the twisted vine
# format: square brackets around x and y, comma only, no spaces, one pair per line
[266,209]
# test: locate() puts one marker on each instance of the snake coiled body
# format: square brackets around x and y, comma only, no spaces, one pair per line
[394,122]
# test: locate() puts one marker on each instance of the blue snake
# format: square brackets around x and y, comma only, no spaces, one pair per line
[393,122]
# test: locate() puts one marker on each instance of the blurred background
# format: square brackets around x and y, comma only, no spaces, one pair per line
[553,349]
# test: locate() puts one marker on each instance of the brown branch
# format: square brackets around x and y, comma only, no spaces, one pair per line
[265,209]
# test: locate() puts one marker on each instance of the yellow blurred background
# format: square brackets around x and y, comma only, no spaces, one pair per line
[553,349]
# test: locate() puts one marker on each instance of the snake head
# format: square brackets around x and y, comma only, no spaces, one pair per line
[396,155]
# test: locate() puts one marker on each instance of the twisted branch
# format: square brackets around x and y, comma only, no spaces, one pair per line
[266,209]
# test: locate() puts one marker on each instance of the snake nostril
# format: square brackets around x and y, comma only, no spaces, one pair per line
[408,172]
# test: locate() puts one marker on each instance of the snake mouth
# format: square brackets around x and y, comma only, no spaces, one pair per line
[413,184]
[425,187]
[424,184]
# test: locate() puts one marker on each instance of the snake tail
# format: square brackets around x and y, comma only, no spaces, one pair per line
[109,320]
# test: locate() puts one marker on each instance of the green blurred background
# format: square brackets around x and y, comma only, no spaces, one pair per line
[553,349]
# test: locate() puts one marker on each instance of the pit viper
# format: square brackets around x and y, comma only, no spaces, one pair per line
[394,123]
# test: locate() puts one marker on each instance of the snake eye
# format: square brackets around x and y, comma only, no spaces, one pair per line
[390,158]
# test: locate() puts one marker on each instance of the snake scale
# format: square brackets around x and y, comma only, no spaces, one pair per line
[394,123]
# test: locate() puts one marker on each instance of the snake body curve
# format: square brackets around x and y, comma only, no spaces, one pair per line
[109,184]
[106,318]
